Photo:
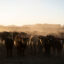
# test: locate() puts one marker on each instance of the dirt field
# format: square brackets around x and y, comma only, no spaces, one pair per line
[28,59]
[32,60]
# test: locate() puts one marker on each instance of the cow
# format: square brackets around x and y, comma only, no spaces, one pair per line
[21,43]
[35,41]
[59,46]
[9,46]
[8,42]
[52,43]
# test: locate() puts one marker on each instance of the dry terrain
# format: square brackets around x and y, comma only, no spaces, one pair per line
[38,29]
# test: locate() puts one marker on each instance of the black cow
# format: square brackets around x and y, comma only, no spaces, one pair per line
[9,42]
[35,43]
[21,43]
[52,43]
[59,46]
[9,46]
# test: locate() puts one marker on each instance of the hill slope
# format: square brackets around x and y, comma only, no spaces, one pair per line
[41,29]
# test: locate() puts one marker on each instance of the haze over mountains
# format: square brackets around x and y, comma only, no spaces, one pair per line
[39,29]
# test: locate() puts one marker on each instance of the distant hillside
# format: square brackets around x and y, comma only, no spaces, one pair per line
[39,29]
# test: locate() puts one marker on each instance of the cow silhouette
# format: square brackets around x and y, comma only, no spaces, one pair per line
[9,46]
[9,42]
[21,43]
[35,42]
[59,46]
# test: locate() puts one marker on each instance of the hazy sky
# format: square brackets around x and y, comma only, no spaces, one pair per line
[23,12]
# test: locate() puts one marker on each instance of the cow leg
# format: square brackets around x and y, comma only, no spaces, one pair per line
[7,52]
[10,52]
[23,51]
[17,50]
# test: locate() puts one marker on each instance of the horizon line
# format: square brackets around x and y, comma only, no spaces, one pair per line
[31,24]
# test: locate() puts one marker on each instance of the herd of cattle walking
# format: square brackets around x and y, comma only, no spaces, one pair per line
[47,45]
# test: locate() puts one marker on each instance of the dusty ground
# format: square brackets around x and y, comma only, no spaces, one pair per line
[32,60]
[29,59]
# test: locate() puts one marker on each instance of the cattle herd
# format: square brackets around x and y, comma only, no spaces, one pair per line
[36,44]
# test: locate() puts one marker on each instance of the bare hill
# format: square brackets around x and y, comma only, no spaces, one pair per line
[39,29]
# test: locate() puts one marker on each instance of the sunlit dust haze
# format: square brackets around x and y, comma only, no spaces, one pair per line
[25,12]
